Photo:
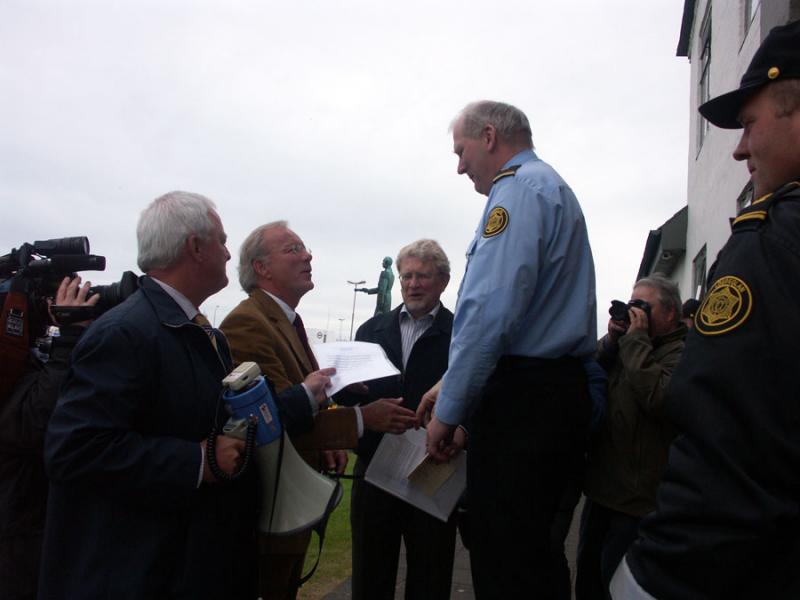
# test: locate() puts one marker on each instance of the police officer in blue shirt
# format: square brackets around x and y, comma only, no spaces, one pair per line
[524,318]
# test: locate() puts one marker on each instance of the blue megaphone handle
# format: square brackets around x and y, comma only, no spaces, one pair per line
[257,401]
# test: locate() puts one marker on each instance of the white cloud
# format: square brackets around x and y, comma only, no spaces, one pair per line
[333,115]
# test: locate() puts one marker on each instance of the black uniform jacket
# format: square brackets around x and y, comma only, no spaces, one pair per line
[727,523]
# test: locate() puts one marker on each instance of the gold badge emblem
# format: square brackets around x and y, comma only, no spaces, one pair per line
[773,72]
[726,306]
[497,222]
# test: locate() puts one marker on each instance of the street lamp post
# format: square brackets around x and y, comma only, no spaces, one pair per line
[353,316]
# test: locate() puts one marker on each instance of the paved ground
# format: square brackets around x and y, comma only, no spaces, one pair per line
[462,578]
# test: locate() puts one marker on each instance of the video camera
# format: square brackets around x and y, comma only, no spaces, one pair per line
[37,270]
[31,274]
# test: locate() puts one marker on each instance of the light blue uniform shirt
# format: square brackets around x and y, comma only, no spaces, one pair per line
[529,287]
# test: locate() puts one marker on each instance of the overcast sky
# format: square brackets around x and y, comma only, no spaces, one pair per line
[334,115]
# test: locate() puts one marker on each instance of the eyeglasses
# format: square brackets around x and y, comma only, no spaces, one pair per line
[297,248]
[421,277]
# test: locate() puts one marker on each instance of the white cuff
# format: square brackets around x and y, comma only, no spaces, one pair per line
[202,464]
[624,585]
[359,421]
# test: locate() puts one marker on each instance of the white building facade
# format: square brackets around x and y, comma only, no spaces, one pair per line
[719,37]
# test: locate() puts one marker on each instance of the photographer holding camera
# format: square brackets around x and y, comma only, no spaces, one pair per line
[24,414]
[644,344]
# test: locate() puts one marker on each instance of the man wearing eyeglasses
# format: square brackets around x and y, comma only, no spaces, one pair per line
[416,338]
[275,270]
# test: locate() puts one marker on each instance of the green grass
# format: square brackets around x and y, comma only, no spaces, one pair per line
[334,565]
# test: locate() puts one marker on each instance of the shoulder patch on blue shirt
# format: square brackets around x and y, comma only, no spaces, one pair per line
[497,222]
[509,172]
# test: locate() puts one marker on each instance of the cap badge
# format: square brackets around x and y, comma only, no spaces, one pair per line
[773,72]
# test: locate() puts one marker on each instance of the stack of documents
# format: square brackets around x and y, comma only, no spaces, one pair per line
[402,468]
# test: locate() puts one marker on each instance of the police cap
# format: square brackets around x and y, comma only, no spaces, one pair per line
[777,58]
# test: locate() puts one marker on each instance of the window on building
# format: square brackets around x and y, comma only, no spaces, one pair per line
[703,87]
[745,199]
[699,273]
[750,7]
[794,11]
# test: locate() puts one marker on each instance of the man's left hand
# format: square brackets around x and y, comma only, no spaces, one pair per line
[639,321]
[335,460]
[388,416]
[426,404]
[71,293]
[441,446]
[318,382]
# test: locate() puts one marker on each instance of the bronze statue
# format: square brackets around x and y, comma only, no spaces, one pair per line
[384,289]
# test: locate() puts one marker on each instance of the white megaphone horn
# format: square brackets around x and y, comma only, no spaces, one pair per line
[294,496]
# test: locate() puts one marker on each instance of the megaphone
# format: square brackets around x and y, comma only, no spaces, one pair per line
[295,497]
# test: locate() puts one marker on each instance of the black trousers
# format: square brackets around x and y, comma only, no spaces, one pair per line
[526,448]
[19,566]
[378,520]
[605,537]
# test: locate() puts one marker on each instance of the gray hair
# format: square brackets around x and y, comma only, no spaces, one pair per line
[253,248]
[165,225]
[426,251]
[668,293]
[786,95]
[510,122]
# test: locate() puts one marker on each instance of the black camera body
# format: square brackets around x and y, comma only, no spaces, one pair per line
[31,274]
[619,309]
[45,263]
[37,270]
[110,295]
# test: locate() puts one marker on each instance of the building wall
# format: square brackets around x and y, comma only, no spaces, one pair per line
[679,274]
[715,180]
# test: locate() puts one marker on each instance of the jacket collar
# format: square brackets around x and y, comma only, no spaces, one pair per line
[391,320]
[272,311]
[678,333]
[167,310]
[268,306]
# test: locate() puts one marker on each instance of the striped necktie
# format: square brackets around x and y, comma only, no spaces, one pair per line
[203,322]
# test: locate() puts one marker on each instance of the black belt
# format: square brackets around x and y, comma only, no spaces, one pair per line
[509,362]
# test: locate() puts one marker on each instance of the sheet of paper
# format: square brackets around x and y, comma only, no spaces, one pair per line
[354,362]
[430,477]
[400,468]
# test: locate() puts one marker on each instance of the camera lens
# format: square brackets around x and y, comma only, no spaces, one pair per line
[115,293]
[68,245]
[619,311]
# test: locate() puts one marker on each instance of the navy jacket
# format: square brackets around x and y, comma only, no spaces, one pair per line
[426,365]
[125,516]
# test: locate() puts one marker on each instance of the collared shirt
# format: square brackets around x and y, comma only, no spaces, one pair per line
[411,329]
[287,310]
[189,309]
[291,314]
[529,287]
